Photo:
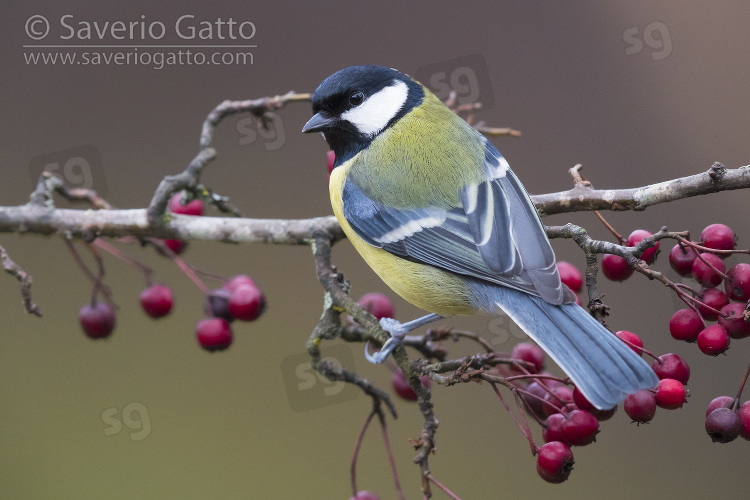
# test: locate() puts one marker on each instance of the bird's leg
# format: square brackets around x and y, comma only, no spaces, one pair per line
[397,331]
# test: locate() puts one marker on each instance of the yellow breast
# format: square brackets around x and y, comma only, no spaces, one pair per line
[427,287]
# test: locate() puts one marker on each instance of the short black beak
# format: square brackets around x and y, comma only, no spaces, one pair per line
[319,122]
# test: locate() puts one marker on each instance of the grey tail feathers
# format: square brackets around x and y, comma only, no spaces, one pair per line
[603,367]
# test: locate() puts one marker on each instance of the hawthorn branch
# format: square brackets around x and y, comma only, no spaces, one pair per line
[37,218]
[90,224]
[585,198]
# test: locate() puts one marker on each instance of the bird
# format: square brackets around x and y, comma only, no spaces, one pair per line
[436,211]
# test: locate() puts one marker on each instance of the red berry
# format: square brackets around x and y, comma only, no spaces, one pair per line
[640,406]
[685,325]
[560,398]
[723,425]
[580,428]
[704,274]
[570,275]
[177,246]
[616,268]
[195,207]
[713,298]
[247,303]
[671,366]
[670,394]
[331,158]
[584,404]
[364,495]
[97,320]
[744,414]
[214,334]
[402,387]
[735,323]
[532,354]
[552,430]
[378,305]
[738,284]
[633,339]
[681,259]
[713,340]
[535,404]
[157,301]
[649,254]
[554,462]
[718,237]
[240,279]
[720,402]
[602,415]
[217,304]
[580,400]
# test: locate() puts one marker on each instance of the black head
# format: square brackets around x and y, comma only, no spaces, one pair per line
[355,104]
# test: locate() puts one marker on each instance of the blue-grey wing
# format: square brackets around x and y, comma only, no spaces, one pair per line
[494,235]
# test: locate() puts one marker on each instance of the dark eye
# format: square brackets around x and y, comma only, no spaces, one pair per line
[356,98]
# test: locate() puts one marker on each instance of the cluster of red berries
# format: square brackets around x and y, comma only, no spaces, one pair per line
[240,298]
[569,419]
[616,268]
[726,420]
[711,304]
[566,416]
[97,319]
[704,262]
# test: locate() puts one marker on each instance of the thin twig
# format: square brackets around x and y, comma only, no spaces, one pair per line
[389,452]
[441,486]
[24,279]
[357,446]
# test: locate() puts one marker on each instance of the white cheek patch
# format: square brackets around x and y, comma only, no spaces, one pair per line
[373,115]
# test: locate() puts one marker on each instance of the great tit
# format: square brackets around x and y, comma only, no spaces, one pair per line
[436,211]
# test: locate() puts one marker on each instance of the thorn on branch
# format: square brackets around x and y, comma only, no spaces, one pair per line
[578,179]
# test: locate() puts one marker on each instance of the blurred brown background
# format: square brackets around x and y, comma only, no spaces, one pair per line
[638,93]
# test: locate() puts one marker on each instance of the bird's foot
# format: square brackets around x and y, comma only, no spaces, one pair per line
[397,331]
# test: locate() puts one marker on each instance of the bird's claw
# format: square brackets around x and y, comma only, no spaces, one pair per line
[394,327]
[397,331]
